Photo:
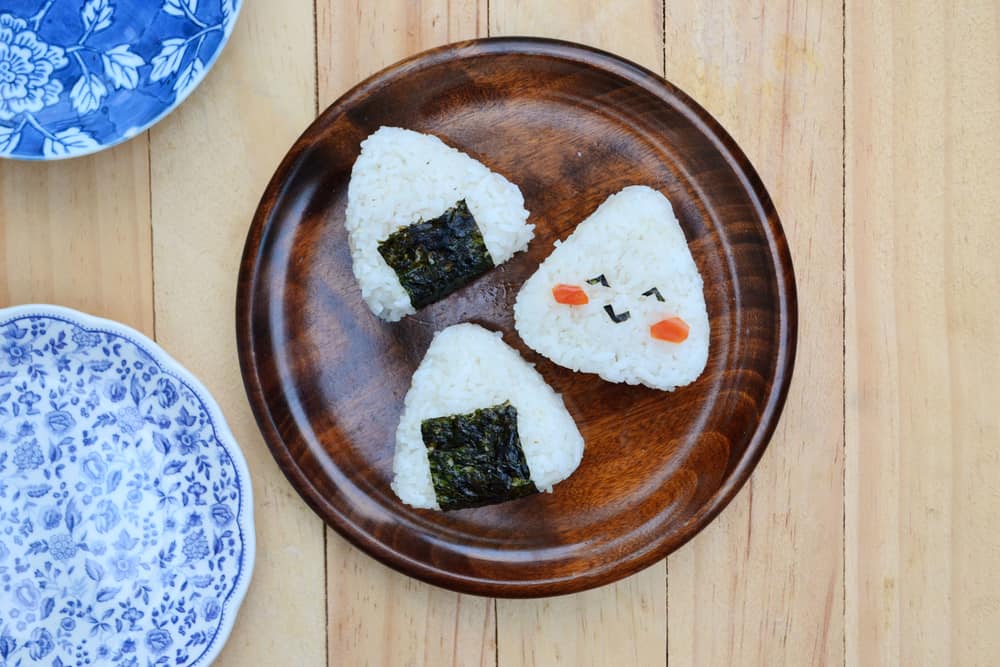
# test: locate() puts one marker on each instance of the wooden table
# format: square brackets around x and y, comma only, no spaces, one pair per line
[867,535]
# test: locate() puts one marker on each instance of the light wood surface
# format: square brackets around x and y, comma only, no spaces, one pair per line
[923,428]
[867,536]
[77,234]
[770,569]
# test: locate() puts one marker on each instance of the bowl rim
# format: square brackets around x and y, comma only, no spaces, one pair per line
[245,517]
[786,306]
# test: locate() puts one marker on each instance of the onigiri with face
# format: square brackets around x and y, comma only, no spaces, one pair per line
[621,297]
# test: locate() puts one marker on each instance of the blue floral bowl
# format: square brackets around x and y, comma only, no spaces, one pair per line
[78,76]
[126,513]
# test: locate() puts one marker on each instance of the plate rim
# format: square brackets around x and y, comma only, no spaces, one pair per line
[786,301]
[178,101]
[245,518]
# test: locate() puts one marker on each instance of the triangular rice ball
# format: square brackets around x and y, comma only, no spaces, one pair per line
[631,265]
[471,378]
[424,219]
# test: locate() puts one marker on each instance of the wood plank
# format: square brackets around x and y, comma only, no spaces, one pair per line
[923,468]
[210,162]
[626,622]
[763,584]
[630,28]
[73,233]
[356,38]
[377,616]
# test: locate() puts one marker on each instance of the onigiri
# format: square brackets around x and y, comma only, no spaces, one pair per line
[424,219]
[480,426]
[620,297]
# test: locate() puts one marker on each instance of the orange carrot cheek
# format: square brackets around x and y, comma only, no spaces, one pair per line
[671,330]
[569,295]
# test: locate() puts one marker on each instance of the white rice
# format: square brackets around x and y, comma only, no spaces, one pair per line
[634,239]
[467,368]
[403,177]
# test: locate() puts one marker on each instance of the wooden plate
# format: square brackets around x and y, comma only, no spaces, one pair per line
[571,126]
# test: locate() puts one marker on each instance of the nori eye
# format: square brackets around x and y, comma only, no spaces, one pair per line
[654,292]
[599,279]
[617,318]
[434,258]
[476,458]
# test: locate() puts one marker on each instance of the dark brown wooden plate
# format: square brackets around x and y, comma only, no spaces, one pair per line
[570,125]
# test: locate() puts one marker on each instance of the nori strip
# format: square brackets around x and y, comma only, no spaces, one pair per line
[433,258]
[616,318]
[599,279]
[652,291]
[476,458]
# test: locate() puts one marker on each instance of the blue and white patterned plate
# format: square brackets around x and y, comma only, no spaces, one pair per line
[126,513]
[78,76]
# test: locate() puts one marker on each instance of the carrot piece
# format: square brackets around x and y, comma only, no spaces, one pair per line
[672,330]
[569,295]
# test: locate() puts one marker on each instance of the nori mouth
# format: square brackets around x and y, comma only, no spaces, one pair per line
[434,258]
[476,458]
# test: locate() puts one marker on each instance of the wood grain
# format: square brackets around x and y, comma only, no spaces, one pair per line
[763,585]
[923,482]
[625,622]
[428,625]
[356,38]
[73,233]
[378,616]
[210,161]
[632,29]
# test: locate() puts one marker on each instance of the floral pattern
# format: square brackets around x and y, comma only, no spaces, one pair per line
[125,538]
[80,75]
[26,67]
